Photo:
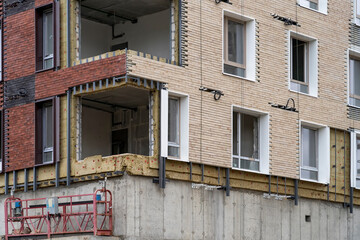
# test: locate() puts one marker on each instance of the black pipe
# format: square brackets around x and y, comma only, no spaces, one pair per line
[26,173]
[351,200]
[6,183]
[34,179]
[296,192]
[227,188]
[68,170]
[14,180]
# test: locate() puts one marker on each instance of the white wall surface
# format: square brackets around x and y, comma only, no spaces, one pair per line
[151,34]
[96,133]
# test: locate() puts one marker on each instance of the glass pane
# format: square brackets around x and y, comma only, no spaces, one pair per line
[299,87]
[309,147]
[48,34]
[234,70]
[235,42]
[249,164]
[358,156]
[173,131]
[48,63]
[358,7]
[355,77]
[298,60]
[47,157]
[174,152]
[358,183]
[313,5]
[235,162]
[249,136]
[354,101]
[307,174]
[235,134]
[48,126]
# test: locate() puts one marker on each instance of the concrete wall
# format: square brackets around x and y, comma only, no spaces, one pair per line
[151,34]
[143,211]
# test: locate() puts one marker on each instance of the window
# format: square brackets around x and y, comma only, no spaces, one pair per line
[47,130]
[1,51]
[174,128]
[303,62]
[250,140]
[47,36]
[317,5]
[299,65]
[315,153]
[239,46]
[245,142]
[309,156]
[354,77]
[174,125]
[355,159]
[235,61]
[1,141]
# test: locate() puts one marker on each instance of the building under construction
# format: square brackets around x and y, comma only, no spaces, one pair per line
[180,119]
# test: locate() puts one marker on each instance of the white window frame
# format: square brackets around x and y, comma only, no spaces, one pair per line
[323,151]
[263,132]
[250,51]
[322,5]
[184,124]
[45,42]
[356,13]
[312,63]
[354,54]
[44,132]
[353,173]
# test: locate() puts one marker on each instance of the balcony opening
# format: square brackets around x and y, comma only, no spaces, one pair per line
[114,122]
[110,25]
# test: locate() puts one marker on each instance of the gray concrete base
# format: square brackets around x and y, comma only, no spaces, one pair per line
[143,211]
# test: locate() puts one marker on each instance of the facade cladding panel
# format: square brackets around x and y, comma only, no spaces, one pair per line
[253,63]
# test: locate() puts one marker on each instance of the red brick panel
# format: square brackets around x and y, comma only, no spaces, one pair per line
[20,40]
[21,137]
[39,3]
[51,83]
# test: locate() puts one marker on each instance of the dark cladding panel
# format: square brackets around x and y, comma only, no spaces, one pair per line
[12,7]
[19,91]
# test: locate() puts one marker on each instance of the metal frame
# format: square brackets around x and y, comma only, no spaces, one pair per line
[238,136]
[226,44]
[89,215]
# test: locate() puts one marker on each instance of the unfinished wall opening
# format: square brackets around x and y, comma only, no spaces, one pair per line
[114,122]
[111,25]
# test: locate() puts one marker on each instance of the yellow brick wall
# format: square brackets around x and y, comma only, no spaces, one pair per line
[210,121]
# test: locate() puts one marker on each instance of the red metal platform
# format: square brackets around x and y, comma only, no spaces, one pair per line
[76,214]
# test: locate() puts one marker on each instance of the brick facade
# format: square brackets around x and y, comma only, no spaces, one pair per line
[211,143]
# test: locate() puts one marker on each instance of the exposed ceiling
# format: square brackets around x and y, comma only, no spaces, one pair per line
[115,11]
[125,97]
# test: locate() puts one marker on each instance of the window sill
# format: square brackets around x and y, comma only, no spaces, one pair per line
[247,170]
[313,181]
[349,105]
[305,94]
[312,9]
[177,159]
[44,70]
[243,78]
[44,164]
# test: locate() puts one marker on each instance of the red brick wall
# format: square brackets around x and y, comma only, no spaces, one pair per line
[20,49]
[51,83]
[39,3]
[20,137]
